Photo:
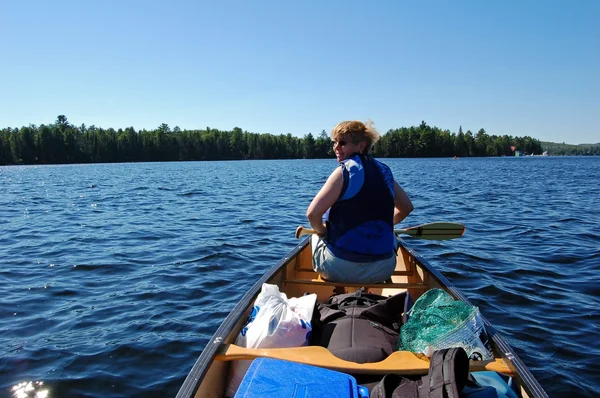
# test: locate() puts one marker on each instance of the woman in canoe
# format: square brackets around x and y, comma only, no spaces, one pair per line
[357,244]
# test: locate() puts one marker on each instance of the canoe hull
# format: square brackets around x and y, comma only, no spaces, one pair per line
[294,276]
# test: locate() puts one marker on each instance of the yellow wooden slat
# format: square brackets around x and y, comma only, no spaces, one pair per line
[322,282]
[400,362]
[398,273]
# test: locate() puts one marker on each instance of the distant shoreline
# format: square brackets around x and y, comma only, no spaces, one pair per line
[64,143]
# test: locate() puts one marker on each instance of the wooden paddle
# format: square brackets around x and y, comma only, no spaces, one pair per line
[431,231]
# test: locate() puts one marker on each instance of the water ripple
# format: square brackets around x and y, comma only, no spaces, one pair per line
[115,276]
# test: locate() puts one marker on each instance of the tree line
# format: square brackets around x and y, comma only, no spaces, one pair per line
[61,142]
[426,141]
[571,150]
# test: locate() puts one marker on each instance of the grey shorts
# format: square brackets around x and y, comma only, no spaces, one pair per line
[339,270]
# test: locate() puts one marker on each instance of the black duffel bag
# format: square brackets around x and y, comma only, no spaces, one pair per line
[360,327]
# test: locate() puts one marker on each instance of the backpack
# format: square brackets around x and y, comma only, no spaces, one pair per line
[448,373]
[360,327]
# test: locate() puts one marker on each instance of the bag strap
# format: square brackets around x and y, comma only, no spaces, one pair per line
[338,299]
[448,373]
[395,386]
[356,299]
[389,311]
[433,383]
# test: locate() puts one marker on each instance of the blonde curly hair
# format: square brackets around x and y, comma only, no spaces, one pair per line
[356,131]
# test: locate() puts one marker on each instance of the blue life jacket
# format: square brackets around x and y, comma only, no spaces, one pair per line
[360,224]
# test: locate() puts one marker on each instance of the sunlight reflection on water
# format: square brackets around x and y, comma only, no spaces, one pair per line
[30,389]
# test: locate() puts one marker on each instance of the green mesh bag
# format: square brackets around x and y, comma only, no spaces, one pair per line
[431,298]
[438,321]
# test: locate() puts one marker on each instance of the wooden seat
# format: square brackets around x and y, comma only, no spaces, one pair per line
[396,272]
[323,282]
[400,362]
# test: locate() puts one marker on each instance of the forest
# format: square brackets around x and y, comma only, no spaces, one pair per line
[63,143]
[571,150]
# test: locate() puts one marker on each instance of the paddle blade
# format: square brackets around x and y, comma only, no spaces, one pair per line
[435,231]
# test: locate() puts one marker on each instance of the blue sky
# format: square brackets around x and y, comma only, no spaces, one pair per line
[517,67]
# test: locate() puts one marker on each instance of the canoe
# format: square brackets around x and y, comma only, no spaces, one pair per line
[294,276]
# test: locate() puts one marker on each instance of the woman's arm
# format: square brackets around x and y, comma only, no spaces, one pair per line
[402,204]
[323,200]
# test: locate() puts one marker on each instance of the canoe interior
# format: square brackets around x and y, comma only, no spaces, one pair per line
[294,276]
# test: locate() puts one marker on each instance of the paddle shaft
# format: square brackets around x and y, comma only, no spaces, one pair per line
[431,231]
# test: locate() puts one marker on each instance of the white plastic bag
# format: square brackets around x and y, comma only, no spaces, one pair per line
[275,322]
[470,335]
[278,322]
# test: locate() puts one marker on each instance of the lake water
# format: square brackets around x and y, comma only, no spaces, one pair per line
[114,276]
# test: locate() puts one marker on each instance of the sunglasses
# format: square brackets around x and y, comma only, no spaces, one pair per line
[339,143]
